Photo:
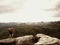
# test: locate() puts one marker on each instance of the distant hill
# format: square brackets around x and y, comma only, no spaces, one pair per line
[7,24]
[49,28]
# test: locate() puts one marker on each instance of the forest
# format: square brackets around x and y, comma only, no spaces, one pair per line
[21,29]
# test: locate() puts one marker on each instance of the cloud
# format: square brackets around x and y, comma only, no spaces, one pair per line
[10,5]
[4,9]
[56,9]
[57,14]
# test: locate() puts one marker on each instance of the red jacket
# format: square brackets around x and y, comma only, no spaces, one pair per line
[11,29]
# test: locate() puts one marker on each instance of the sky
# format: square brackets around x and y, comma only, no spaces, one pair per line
[29,10]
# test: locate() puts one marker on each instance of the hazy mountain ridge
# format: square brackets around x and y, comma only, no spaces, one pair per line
[21,29]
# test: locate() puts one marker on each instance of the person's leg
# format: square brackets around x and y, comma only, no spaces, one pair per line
[9,35]
[12,35]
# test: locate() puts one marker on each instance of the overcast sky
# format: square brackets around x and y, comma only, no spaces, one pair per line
[29,10]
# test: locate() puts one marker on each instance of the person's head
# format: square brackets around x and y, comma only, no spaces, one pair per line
[10,28]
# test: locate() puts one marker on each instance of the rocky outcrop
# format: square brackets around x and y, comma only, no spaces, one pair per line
[46,40]
[39,39]
[7,41]
[24,40]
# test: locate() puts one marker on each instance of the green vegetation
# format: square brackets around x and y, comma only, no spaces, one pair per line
[21,29]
